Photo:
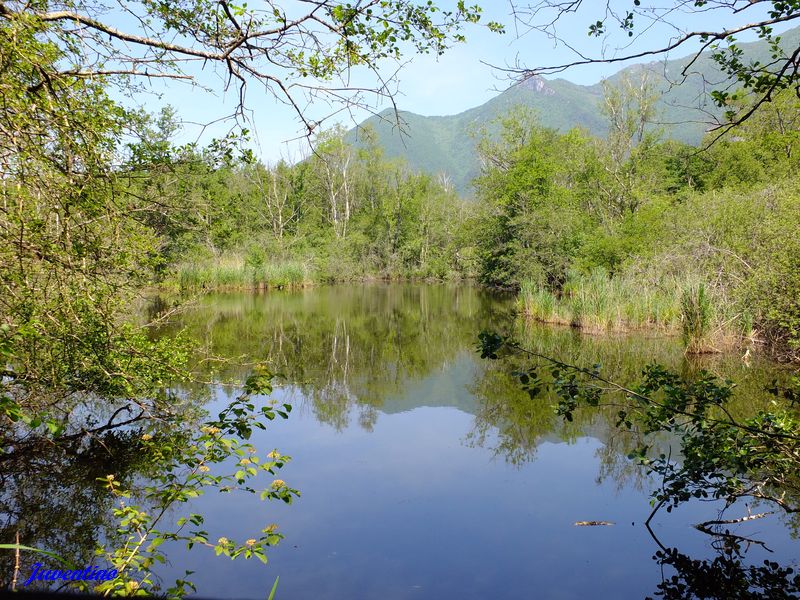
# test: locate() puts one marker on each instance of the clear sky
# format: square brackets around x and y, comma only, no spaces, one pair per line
[428,85]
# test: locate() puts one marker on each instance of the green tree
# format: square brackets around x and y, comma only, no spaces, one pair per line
[533,222]
[628,148]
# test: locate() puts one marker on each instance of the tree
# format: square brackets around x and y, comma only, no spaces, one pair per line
[296,51]
[619,24]
[777,129]
[279,206]
[630,109]
[335,165]
[529,191]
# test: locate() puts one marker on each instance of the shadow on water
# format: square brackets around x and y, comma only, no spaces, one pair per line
[425,471]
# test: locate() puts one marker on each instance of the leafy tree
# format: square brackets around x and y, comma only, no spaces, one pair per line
[295,53]
[630,109]
[532,222]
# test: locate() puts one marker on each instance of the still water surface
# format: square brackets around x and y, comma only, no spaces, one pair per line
[426,473]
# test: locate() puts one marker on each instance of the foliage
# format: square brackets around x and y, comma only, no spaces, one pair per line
[187,464]
[720,457]
[180,460]
[606,234]
[74,252]
[532,218]
[345,213]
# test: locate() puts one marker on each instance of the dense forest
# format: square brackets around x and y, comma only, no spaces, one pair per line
[624,232]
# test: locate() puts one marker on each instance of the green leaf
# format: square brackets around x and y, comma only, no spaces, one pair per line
[274,585]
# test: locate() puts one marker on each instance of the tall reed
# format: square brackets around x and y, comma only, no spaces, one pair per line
[696,316]
[596,301]
[233,272]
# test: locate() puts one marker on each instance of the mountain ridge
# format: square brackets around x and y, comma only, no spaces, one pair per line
[444,144]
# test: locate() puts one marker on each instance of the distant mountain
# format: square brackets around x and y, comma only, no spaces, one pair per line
[444,144]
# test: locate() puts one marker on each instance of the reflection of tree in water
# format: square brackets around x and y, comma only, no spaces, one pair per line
[49,489]
[346,349]
[728,575]
[514,424]
[725,577]
[507,421]
[50,495]
[615,465]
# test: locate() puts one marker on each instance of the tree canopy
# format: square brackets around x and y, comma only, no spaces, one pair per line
[296,51]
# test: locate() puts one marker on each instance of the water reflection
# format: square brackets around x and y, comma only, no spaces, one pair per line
[350,350]
[425,472]
[50,496]
[371,359]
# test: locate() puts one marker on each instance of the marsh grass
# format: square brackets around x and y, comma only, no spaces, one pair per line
[597,302]
[539,304]
[234,272]
[697,313]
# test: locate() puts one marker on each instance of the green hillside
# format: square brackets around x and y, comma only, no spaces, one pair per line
[443,144]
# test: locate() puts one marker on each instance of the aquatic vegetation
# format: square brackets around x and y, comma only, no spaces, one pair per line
[598,302]
[696,319]
[234,272]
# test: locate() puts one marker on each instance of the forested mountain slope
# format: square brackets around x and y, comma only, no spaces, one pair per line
[444,144]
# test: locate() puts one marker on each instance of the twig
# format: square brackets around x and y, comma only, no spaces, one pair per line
[16,565]
[705,524]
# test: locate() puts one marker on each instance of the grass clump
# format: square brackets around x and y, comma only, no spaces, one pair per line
[696,315]
[234,272]
[598,302]
[539,304]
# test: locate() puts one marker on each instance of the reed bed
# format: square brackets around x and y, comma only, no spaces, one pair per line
[236,273]
[598,302]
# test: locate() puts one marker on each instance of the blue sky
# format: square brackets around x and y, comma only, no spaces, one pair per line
[428,85]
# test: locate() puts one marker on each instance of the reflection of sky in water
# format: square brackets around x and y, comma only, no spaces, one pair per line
[409,510]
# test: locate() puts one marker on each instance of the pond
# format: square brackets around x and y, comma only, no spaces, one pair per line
[425,471]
